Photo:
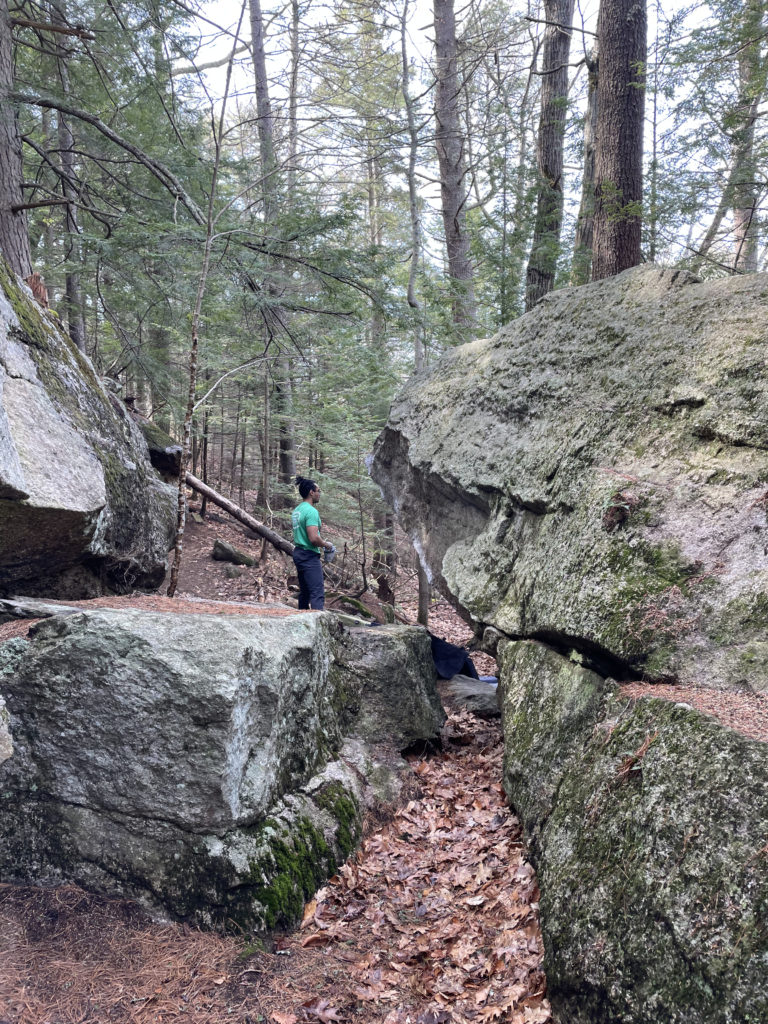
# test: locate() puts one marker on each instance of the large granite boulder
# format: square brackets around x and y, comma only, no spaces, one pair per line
[596,476]
[648,825]
[215,766]
[81,509]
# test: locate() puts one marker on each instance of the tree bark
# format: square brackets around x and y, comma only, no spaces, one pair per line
[73,291]
[545,248]
[413,195]
[14,240]
[450,144]
[284,411]
[422,615]
[752,82]
[585,223]
[621,38]
[293,98]
[264,117]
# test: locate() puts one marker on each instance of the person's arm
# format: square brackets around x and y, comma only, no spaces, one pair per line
[313,532]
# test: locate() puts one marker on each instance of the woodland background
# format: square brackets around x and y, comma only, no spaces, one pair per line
[258,221]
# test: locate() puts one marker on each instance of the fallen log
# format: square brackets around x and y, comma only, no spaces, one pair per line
[239,514]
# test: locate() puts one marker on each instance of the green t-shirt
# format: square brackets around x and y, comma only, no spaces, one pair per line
[304,515]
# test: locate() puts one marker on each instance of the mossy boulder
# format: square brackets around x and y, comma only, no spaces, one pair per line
[223,552]
[82,511]
[596,476]
[648,826]
[217,767]
[164,452]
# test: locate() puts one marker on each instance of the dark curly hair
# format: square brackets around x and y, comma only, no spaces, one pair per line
[305,486]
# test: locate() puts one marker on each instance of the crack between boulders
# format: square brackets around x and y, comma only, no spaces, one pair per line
[595,658]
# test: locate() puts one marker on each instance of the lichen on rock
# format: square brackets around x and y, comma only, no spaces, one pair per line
[647,824]
[595,475]
[217,767]
[6,740]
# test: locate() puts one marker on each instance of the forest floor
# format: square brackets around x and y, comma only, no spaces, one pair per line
[434,919]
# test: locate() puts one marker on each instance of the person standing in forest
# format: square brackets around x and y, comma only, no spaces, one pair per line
[305,520]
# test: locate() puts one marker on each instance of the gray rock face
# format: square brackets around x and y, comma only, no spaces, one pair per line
[214,766]
[596,476]
[81,509]
[647,824]
[481,699]
[6,740]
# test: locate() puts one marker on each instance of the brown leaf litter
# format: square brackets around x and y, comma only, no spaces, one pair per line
[433,920]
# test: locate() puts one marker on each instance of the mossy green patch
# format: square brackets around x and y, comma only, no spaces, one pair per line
[648,823]
[335,799]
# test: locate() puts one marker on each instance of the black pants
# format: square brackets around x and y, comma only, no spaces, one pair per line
[311,587]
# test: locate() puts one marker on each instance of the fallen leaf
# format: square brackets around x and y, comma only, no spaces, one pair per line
[321,1009]
[309,913]
[317,939]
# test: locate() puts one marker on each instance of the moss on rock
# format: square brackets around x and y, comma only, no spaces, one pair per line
[595,473]
[648,825]
[215,767]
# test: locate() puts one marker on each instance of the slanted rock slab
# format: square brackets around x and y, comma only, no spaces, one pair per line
[82,511]
[215,766]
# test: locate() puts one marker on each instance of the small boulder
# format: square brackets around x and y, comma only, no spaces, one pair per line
[479,697]
[224,552]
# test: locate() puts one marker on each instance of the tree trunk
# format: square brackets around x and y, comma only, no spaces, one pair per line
[265,495]
[14,240]
[752,81]
[449,141]
[284,409]
[206,428]
[74,295]
[621,37]
[582,245]
[264,117]
[422,616]
[293,98]
[545,248]
[413,196]
[519,216]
